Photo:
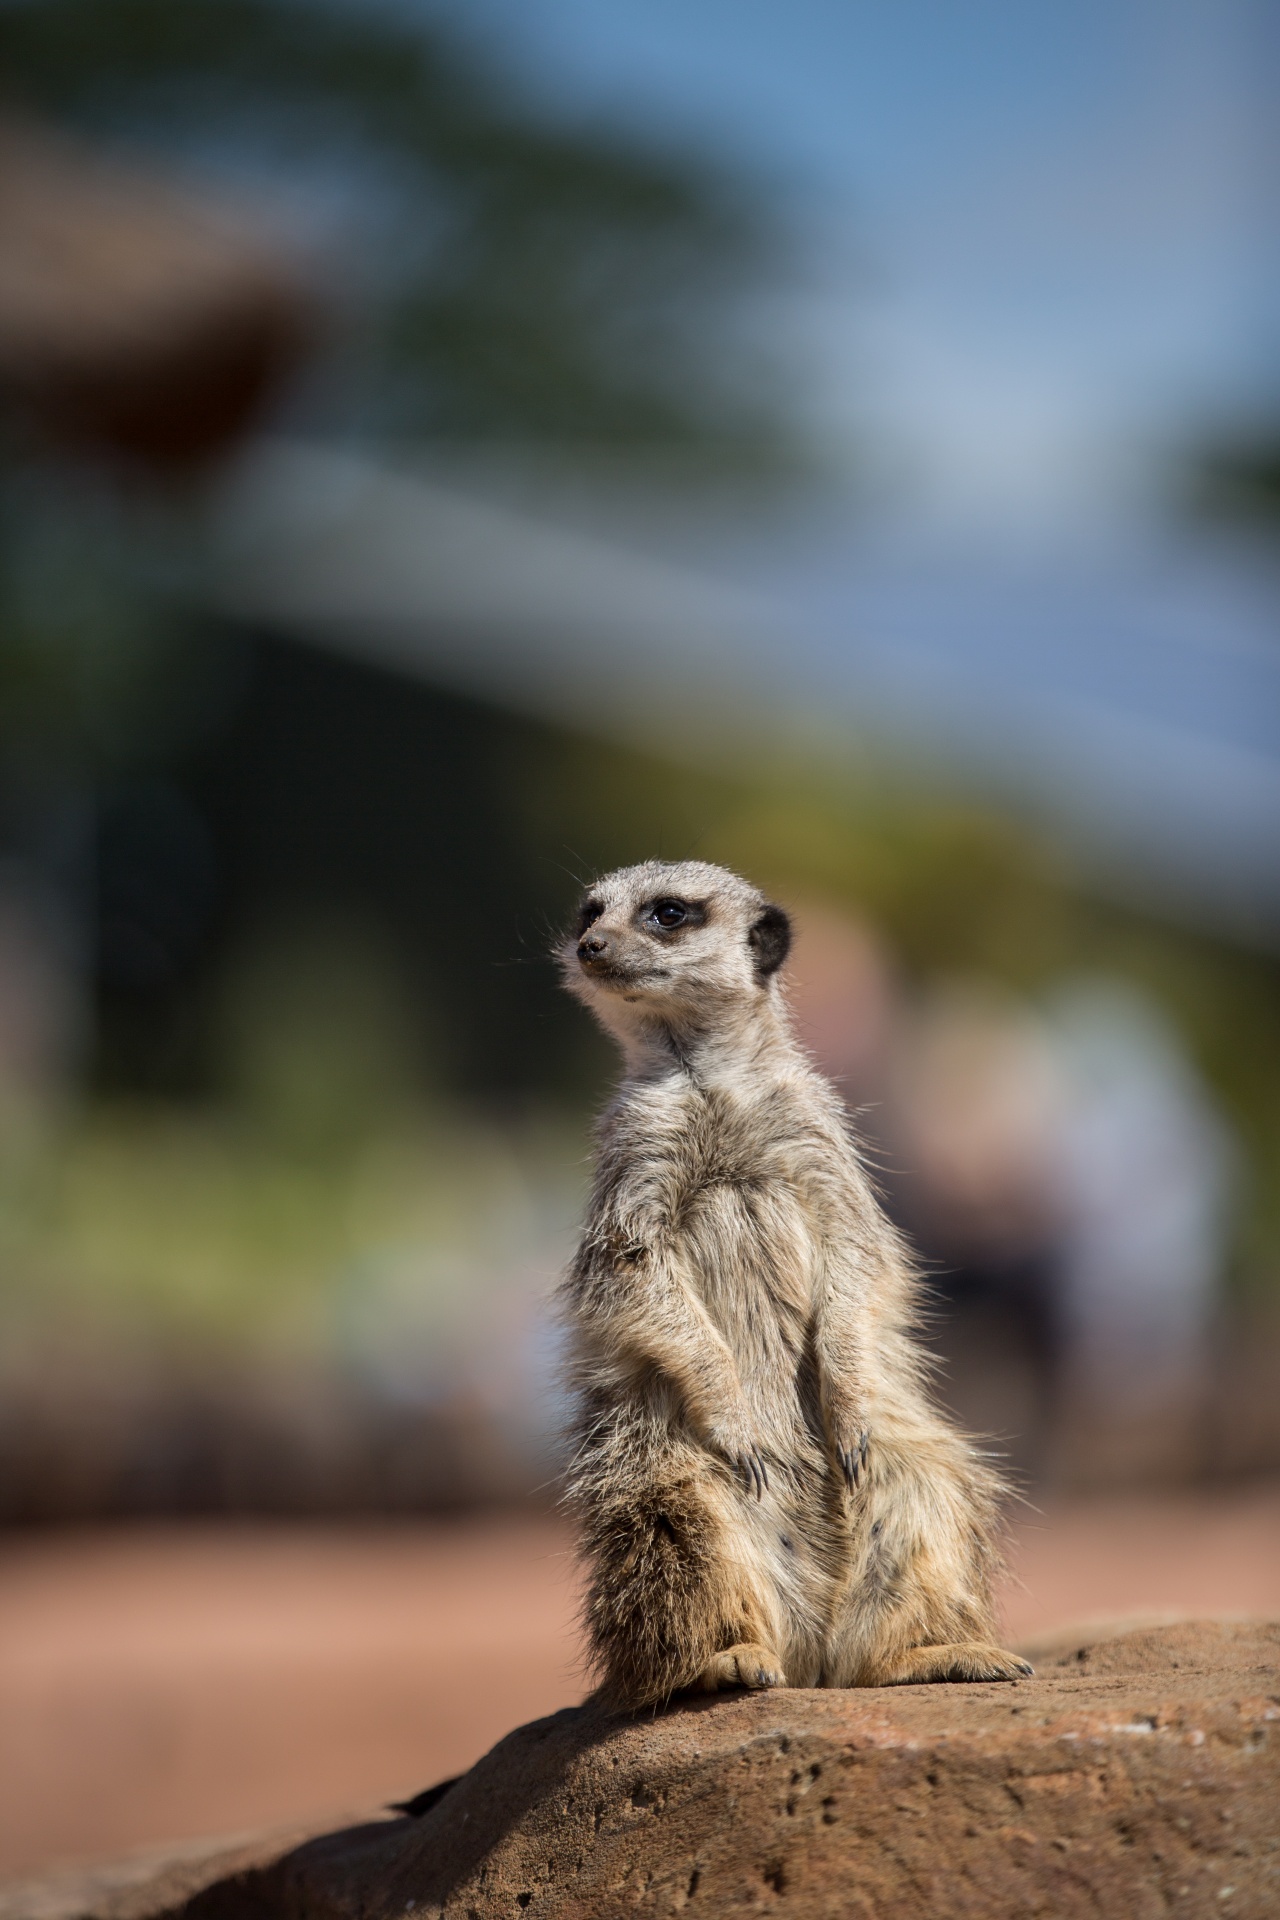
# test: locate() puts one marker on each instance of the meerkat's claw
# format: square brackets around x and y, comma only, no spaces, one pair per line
[755,1474]
[957,1660]
[746,1665]
[853,1460]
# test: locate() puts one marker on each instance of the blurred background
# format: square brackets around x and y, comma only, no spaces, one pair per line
[446,452]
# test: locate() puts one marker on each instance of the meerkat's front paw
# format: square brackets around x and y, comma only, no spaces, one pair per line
[746,1665]
[745,1455]
[851,1457]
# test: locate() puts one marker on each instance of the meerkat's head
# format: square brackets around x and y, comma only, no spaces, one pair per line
[679,946]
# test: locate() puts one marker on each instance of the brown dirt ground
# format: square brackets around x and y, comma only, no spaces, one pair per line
[184,1680]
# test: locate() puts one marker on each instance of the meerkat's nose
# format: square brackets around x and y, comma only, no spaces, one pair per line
[592,946]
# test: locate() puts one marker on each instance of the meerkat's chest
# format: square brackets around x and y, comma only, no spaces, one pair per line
[753,1252]
[741,1199]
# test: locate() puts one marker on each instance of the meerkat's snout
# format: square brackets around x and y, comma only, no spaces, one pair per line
[604,952]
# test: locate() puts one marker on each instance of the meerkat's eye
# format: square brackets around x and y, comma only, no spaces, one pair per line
[588,912]
[667,915]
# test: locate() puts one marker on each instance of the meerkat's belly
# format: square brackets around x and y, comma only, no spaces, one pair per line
[754,1257]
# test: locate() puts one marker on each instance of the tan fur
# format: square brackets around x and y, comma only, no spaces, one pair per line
[767,1495]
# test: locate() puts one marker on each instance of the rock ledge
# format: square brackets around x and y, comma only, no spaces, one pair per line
[1137,1775]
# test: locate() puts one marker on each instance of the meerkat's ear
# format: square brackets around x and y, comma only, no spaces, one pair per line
[770,940]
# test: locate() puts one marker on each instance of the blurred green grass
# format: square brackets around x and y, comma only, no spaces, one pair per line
[330,1150]
[194,1226]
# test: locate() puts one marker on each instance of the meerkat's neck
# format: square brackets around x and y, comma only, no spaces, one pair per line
[753,1042]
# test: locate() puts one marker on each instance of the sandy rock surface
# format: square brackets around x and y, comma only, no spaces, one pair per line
[1135,1775]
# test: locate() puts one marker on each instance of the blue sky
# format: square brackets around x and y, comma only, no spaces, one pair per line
[1039,240]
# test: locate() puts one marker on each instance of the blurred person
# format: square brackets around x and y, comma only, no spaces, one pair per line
[971,1127]
[843,999]
[1070,1177]
[976,1105]
[1145,1169]
[956,1097]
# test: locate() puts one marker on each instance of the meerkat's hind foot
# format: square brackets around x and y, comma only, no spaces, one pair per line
[746,1665]
[960,1660]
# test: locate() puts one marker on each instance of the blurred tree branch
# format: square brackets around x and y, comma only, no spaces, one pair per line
[538,282]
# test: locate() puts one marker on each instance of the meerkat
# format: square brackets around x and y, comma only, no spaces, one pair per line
[766,1494]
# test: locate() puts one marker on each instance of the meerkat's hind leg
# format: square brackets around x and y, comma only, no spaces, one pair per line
[749,1664]
[957,1660]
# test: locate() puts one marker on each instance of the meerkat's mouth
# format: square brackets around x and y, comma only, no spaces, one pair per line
[622,979]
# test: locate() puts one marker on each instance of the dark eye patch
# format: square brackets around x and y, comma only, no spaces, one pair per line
[588,913]
[668,914]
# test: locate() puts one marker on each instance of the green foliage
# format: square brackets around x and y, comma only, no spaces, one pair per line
[530,283]
[81,645]
[316,1041]
[186,1221]
[542,282]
